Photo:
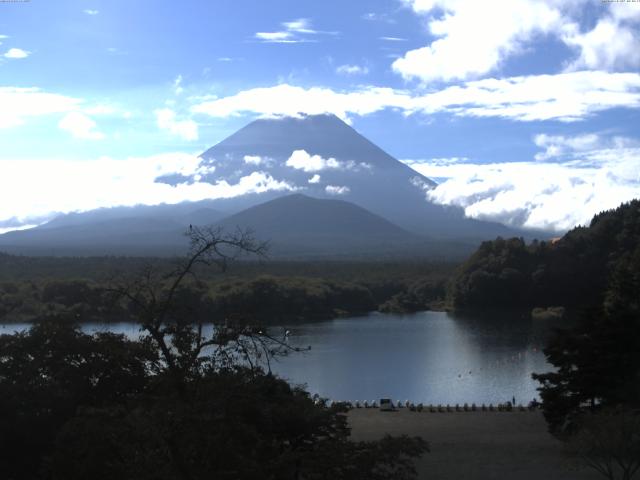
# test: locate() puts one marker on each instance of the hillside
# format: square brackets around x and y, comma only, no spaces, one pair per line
[301,226]
[335,161]
[573,272]
[298,220]
[317,155]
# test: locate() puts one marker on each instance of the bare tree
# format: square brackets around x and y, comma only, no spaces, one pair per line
[609,442]
[166,312]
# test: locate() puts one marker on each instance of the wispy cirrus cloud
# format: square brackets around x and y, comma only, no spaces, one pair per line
[294,31]
[378,17]
[393,39]
[350,70]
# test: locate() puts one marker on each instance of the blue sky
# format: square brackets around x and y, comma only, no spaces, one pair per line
[526,111]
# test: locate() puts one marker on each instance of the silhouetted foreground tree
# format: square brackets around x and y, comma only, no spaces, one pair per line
[187,401]
[49,372]
[609,442]
[598,362]
[593,398]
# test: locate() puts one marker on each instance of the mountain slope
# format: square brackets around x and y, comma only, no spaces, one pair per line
[301,216]
[184,214]
[324,157]
[120,236]
[140,230]
[319,156]
[301,226]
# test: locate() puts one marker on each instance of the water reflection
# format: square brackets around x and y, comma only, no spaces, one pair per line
[430,357]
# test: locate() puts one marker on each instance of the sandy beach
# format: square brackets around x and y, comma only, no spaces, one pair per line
[476,445]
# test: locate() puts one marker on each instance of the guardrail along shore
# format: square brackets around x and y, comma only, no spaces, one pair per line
[434,408]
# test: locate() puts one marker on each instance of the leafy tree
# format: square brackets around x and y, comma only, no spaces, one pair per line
[598,362]
[47,373]
[609,442]
[185,402]
[235,424]
[573,271]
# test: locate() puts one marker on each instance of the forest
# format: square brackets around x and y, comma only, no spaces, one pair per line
[270,291]
[573,271]
[177,403]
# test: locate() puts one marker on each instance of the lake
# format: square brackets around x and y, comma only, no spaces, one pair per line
[429,357]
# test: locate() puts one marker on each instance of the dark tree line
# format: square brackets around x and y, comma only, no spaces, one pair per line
[573,272]
[598,361]
[592,398]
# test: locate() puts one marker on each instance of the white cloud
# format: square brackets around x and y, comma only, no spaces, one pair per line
[80,126]
[295,31]
[315,179]
[91,12]
[337,190]
[440,161]
[276,37]
[177,85]
[564,147]
[592,175]
[35,188]
[301,25]
[16,53]
[19,104]
[18,227]
[378,17]
[558,145]
[352,70]
[613,44]
[566,97]
[474,37]
[288,100]
[252,159]
[301,160]
[393,39]
[166,120]
[101,109]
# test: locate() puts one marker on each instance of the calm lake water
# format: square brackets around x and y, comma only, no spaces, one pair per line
[430,357]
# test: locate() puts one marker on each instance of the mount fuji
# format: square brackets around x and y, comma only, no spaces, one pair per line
[317,156]
[323,157]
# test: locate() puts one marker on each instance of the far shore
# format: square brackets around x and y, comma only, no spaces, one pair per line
[476,445]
